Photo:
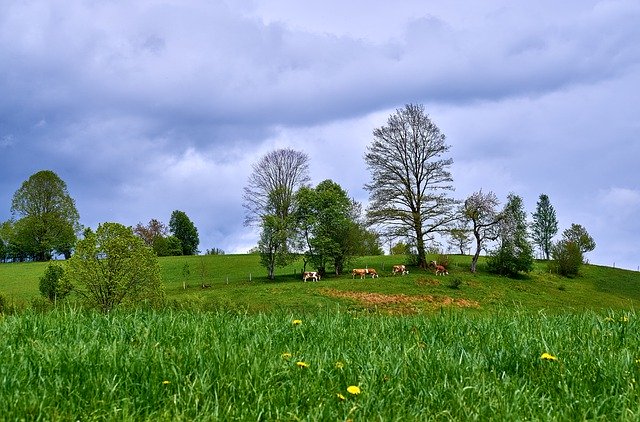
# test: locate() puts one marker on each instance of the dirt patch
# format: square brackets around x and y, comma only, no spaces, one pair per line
[399,300]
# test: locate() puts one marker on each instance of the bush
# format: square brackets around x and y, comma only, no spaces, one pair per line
[567,258]
[53,286]
[113,266]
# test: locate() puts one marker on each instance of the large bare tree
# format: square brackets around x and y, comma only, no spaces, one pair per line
[410,178]
[269,201]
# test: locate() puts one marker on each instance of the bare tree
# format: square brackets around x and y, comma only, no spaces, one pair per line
[410,178]
[481,210]
[151,231]
[269,201]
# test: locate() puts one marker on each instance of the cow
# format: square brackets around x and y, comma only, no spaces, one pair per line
[362,272]
[440,270]
[313,275]
[400,269]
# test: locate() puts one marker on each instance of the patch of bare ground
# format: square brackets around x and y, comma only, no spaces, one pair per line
[399,302]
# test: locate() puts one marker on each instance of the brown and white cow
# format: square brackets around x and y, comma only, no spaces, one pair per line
[440,270]
[362,272]
[313,275]
[400,269]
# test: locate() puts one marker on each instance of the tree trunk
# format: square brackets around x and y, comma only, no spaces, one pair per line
[474,261]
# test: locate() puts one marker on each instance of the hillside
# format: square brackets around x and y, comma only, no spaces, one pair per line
[238,282]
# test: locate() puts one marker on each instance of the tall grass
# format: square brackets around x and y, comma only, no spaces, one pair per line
[182,365]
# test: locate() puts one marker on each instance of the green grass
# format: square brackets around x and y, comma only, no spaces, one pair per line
[183,365]
[238,282]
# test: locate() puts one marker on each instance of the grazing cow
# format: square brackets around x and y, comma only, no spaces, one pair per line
[374,273]
[440,270]
[313,275]
[400,269]
[362,272]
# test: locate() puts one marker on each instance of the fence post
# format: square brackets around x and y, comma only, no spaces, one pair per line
[249,276]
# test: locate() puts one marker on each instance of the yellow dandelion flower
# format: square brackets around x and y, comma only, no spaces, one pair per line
[286,355]
[296,322]
[638,361]
[302,364]
[353,389]
[341,397]
[165,382]
[624,319]
[339,365]
[547,356]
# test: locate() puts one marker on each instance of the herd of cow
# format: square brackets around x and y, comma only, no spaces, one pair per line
[363,272]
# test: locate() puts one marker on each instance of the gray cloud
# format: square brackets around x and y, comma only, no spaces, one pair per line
[148,107]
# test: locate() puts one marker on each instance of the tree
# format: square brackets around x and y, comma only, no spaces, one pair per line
[329,228]
[544,226]
[48,218]
[459,238]
[480,210]
[410,178]
[53,285]
[151,231]
[113,266]
[183,228]
[167,246]
[579,235]
[269,202]
[514,254]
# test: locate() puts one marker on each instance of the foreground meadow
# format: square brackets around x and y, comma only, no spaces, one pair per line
[183,365]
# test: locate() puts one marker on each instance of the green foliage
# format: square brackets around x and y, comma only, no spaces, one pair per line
[53,285]
[567,258]
[330,232]
[514,254]
[400,248]
[544,226]
[3,304]
[48,220]
[579,235]
[167,246]
[184,229]
[114,266]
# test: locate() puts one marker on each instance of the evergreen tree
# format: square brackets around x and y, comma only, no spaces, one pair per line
[544,226]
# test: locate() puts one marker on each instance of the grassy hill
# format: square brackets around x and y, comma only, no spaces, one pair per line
[238,282]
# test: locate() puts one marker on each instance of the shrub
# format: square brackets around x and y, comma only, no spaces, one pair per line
[53,286]
[567,258]
[114,266]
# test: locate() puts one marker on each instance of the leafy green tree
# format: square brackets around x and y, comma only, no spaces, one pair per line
[113,266]
[53,285]
[579,235]
[514,254]
[410,179]
[270,203]
[400,248]
[167,246]
[480,210]
[329,227]
[544,226]
[567,258]
[183,228]
[47,217]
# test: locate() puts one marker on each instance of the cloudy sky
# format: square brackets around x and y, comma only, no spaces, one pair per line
[146,107]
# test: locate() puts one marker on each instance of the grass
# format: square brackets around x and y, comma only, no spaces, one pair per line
[238,282]
[184,365]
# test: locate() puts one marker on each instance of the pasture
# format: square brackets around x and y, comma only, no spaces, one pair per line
[417,347]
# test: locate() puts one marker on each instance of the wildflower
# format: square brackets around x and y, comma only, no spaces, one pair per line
[341,397]
[286,355]
[638,361]
[302,364]
[353,389]
[547,356]
[296,322]
[165,382]
[339,365]
[624,318]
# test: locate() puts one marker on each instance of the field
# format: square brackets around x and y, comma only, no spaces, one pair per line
[245,348]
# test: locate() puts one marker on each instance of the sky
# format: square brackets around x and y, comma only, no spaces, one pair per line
[147,107]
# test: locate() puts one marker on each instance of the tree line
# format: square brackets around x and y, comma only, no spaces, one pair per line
[410,202]
[45,223]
